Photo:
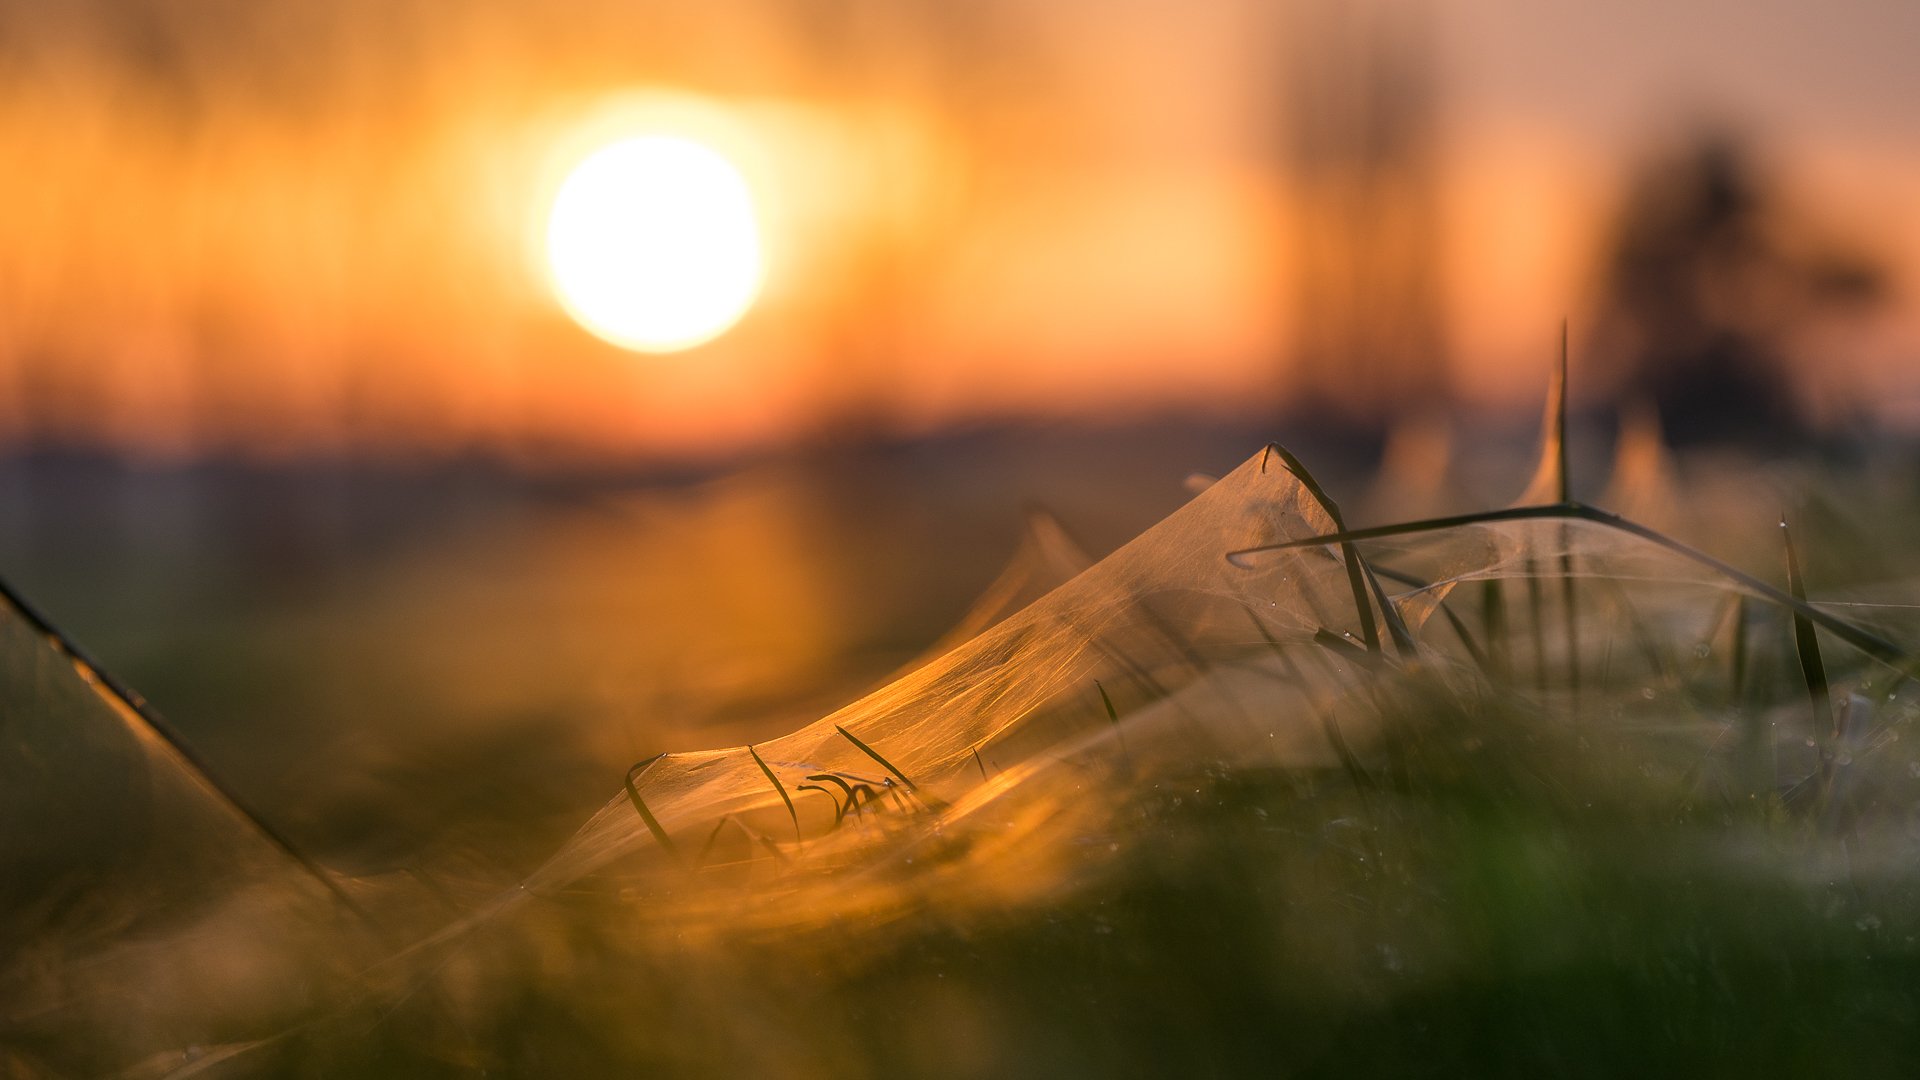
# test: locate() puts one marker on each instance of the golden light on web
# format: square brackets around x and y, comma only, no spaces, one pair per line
[653,243]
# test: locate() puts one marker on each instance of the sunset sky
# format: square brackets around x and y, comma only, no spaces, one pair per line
[314,225]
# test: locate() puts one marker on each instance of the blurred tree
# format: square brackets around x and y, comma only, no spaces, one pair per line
[1360,160]
[1709,288]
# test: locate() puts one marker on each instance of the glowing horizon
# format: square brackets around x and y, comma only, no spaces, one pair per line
[217,249]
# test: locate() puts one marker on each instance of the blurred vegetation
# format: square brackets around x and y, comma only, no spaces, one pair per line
[1712,284]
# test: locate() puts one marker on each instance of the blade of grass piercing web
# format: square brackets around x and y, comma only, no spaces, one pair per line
[828,778]
[839,812]
[1550,482]
[1569,594]
[1362,608]
[875,755]
[137,711]
[1359,575]
[1807,643]
[1867,642]
[1113,717]
[777,786]
[1132,669]
[1474,652]
[640,806]
[1403,640]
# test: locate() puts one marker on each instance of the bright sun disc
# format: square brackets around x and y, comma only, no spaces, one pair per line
[653,244]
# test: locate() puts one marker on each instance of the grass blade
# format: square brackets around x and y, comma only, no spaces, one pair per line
[1493,626]
[1738,661]
[706,849]
[779,787]
[1812,668]
[640,807]
[875,755]
[1550,481]
[1474,652]
[1357,577]
[1336,642]
[105,683]
[839,812]
[1536,623]
[1113,717]
[1565,487]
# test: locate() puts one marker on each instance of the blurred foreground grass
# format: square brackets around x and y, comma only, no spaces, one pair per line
[1507,879]
[1518,908]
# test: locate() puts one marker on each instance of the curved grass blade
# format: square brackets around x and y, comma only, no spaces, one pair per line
[875,755]
[147,716]
[640,806]
[779,787]
[837,782]
[839,812]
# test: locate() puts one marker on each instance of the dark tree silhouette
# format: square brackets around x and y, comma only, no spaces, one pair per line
[1709,286]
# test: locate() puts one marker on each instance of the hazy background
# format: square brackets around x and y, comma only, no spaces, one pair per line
[293,434]
[279,229]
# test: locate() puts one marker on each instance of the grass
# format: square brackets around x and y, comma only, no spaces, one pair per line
[1568,873]
[640,805]
[792,814]
[1485,884]
[875,755]
[1583,832]
[1507,912]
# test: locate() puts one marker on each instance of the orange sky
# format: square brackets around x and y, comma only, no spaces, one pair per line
[307,225]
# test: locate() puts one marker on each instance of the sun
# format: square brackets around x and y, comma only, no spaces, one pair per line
[653,243]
